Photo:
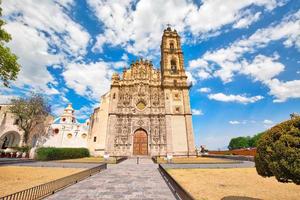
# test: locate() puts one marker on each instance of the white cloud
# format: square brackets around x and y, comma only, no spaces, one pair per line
[65,3]
[124,21]
[284,90]
[234,122]
[268,122]
[234,98]
[119,64]
[212,15]
[248,19]
[204,90]
[227,62]
[63,32]
[190,79]
[29,46]
[197,112]
[202,74]
[124,57]
[57,109]
[262,68]
[88,79]
[84,112]
[198,63]
[43,35]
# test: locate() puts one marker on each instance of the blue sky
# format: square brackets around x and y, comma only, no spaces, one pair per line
[242,56]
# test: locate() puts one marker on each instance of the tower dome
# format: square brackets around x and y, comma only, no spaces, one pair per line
[68,115]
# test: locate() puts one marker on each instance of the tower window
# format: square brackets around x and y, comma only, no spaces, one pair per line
[173,66]
[95,139]
[171,46]
[175,82]
[114,95]
[16,122]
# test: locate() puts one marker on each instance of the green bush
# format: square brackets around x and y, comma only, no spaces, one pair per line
[52,153]
[278,152]
[239,142]
[22,149]
[244,141]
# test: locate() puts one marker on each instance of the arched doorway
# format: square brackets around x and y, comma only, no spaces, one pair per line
[140,142]
[10,139]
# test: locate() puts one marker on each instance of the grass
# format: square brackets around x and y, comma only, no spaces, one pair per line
[197,160]
[17,178]
[219,183]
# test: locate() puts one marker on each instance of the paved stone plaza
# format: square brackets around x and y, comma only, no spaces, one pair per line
[126,180]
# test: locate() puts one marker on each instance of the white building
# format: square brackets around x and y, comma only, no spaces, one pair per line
[10,133]
[65,131]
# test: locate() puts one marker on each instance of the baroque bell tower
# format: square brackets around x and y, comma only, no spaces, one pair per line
[172,63]
[179,127]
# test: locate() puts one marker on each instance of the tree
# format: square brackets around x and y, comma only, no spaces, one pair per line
[239,142]
[9,68]
[253,140]
[31,112]
[244,142]
[278,152]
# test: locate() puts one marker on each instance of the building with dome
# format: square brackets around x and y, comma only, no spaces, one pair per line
[66,131]
[147,110]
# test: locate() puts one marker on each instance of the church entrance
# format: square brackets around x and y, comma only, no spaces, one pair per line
[9,139]
[140,142]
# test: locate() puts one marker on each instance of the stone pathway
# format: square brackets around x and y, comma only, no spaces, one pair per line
[126,180]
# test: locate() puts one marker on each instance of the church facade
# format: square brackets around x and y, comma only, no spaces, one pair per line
[147,111]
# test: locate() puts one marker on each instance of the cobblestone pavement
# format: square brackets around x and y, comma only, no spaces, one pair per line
[242,164]
[126,180]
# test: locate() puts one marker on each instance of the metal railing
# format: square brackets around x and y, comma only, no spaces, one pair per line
[177,189]
[41,191]
[120,159]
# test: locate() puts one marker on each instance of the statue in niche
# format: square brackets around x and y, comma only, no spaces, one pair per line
[155,139]
[127,98]
[142,72]
[123,139]
[141,90]
[155,99]
[116,140]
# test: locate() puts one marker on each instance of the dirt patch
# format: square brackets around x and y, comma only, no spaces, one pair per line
[234,183]
[17,178]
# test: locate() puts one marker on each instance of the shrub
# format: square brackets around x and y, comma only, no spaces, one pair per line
[52,153]
[278,152]
[22,149]
[239,142]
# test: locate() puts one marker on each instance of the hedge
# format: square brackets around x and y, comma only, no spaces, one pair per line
[52,153]
[278,152]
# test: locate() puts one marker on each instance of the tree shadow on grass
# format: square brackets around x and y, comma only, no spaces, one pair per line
[239,198]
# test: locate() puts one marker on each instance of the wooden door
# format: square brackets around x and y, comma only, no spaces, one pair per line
[140,143]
